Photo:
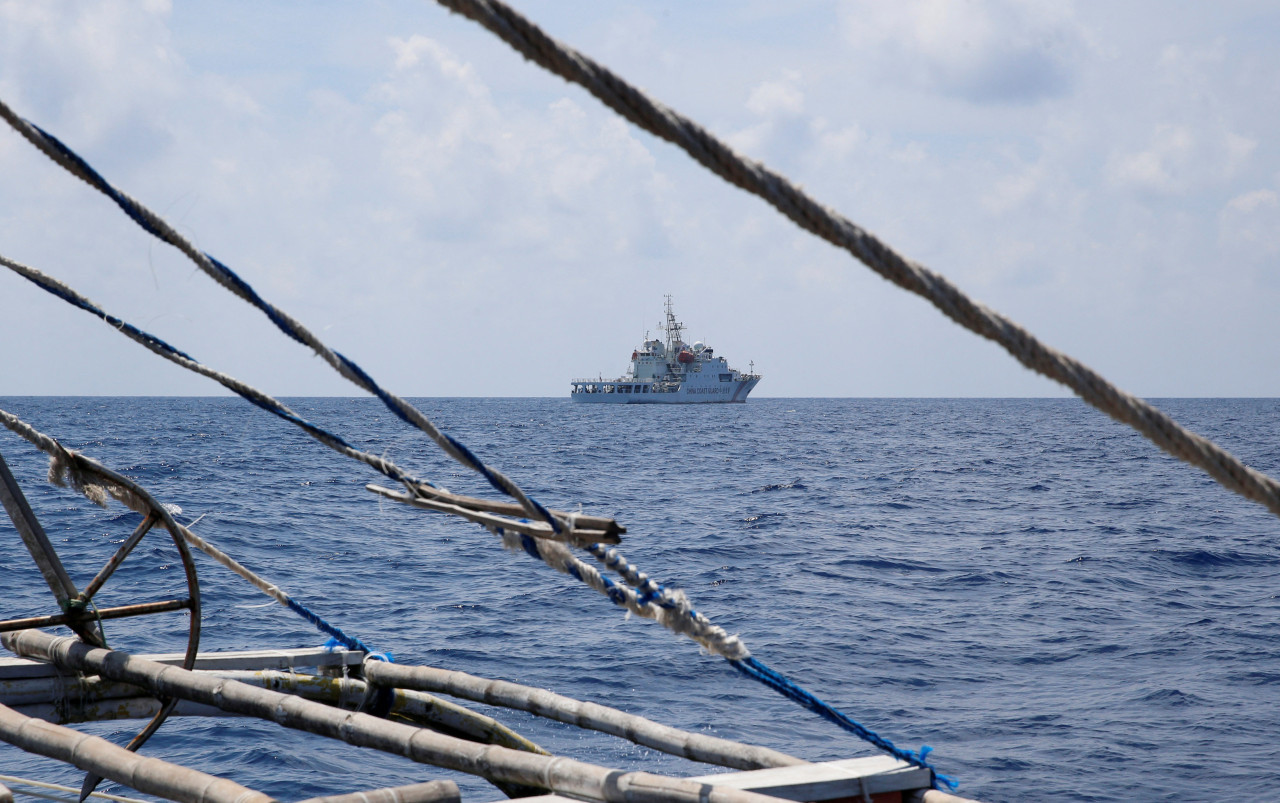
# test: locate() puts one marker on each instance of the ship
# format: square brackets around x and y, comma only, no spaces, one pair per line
[670,371]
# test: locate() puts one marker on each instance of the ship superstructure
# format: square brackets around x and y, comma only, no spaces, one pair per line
[670,371]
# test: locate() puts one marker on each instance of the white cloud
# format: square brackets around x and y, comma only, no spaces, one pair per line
[1178,157]
[777,98]
[374,172]
[1249,226]
[1161,166]
[987,51]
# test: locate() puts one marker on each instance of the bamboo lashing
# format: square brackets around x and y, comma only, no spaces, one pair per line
[500,764]
[694,746]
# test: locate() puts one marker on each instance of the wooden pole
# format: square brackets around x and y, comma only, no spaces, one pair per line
[73,698]
[537,529]
[559,774]
[695,746]
[123,611]
[100,757]
[423,709]
[429,792]
[609,526]
[43,553]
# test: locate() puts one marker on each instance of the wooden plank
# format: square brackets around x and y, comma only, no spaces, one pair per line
[831,780]
[318,657]
[934,796]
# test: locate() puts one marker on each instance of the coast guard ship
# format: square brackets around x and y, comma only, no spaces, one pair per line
[670,371]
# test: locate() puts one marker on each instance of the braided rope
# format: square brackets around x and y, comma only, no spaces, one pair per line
[673,611]
[536,46]
[224,276]
[97,482]
[756,670]
[253,395]
[677,615]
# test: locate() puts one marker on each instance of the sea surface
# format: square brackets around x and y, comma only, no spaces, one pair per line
[1059,609]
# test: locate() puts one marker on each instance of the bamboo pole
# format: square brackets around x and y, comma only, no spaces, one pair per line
[560,774]
[114,710]
[93,754]
[429,792]
[610,526]
[417,706]
[695,746]
[74,698]
[536,529]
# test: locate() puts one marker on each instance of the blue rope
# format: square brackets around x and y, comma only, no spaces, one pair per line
[749,666]
[756,670]
[350,642]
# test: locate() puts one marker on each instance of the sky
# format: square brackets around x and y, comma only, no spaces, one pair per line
[461,223]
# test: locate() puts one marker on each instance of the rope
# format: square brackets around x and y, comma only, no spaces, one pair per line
[253,395]
[677,615]
[95,481]
[13,779]
[672,610]
[756,670]
[809,214]
[224,276]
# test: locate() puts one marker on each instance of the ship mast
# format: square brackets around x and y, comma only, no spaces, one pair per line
[673,327]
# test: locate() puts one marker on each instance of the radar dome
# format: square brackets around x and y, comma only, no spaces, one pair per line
[699,346]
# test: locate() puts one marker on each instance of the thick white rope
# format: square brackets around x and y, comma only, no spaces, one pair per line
[809,214]
[673,609]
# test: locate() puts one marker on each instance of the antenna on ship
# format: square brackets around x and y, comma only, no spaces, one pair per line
[673,327]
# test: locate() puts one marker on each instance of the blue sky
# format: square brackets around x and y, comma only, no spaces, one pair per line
[462,223]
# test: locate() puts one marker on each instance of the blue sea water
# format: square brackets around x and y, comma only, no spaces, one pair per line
[1062,611]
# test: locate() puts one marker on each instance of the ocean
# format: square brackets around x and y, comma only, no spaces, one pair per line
[1060,610]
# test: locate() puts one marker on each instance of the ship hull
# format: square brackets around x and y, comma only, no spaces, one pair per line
[721,393]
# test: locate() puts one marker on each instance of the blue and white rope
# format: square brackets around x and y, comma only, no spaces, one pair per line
[673,610]
[649,599]
[227,278]
[178,357]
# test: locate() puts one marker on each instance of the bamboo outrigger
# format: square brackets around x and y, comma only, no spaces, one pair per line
[349,695]
[356,698]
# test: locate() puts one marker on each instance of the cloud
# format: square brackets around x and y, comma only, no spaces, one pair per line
[1249,226]
[777,98]
[1179,157]
[981,51]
